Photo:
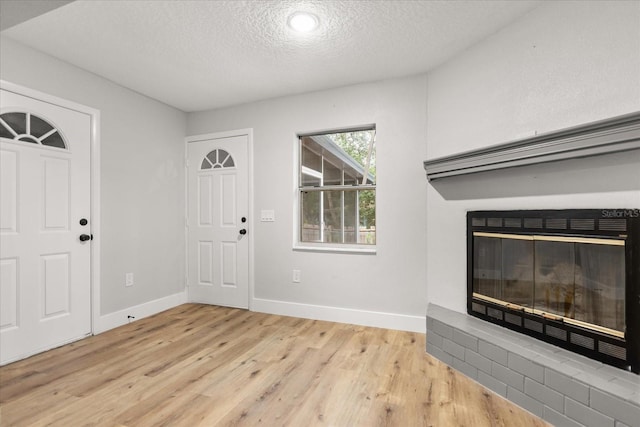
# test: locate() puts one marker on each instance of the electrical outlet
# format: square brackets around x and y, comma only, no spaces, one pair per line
[128,279]
[296,276]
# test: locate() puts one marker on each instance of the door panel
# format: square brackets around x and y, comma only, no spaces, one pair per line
[227,201]
[45,189]
[56,193]
[9,191]
[8,293]
[55,277]
[218,253]
[204,201]
[205,255]
[229,263]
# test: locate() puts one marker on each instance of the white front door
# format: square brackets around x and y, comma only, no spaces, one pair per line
[45,285]
[217,237]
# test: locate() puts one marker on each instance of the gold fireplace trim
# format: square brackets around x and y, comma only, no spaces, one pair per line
[564,239]
[550,316]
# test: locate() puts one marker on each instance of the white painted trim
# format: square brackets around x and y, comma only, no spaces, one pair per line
[347,249]
[119,318]
[252,219]
[95,219]
[42,350]
[248,132]
[296,192]
[185,201]
[401,322]
[219,135]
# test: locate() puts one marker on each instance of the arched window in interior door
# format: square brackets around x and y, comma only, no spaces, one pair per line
[217,159]
[27,127]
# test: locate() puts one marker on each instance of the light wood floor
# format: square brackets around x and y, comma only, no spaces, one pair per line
[199,365]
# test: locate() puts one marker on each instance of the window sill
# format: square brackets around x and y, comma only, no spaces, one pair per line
[336,249]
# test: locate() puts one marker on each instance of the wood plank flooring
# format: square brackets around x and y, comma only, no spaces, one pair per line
[200,365]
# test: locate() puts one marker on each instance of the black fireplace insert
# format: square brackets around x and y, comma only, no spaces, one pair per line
[568,277]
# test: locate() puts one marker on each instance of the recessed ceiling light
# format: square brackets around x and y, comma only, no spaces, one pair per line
[303,22]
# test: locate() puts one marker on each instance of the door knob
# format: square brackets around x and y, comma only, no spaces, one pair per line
[243,231]
[85,237]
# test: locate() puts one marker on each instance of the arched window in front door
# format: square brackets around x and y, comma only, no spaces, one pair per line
[27,127]
[217,159]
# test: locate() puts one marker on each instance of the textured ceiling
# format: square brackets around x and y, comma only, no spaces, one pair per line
[197,55]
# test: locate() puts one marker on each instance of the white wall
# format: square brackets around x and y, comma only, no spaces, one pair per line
[142,178]
[563,64]
[392,281]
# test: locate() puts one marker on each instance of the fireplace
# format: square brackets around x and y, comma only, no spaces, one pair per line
[568,277]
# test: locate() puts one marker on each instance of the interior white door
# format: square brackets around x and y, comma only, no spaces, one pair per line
[217,237]
[45,288]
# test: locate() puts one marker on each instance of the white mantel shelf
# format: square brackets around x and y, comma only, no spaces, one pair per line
[621,133]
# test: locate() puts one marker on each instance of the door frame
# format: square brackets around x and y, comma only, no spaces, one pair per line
[248,132]
[94,176]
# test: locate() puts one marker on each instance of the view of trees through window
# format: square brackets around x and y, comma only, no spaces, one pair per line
[337,186]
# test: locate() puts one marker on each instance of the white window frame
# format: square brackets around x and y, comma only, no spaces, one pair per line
[298,244]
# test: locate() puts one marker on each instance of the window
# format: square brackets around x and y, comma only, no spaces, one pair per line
[26,127]
[337,188]
[217,159]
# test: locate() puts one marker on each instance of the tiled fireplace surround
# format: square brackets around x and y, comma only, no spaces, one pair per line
[561,387]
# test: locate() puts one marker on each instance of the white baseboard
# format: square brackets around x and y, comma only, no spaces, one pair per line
[119,318]
[376,319]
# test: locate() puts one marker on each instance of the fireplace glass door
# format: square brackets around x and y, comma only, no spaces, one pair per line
[576,280]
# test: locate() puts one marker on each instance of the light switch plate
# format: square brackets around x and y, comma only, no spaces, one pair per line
[267,216]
